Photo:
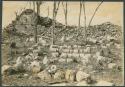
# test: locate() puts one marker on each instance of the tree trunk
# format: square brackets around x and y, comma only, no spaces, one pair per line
[48,12]
[95,13]
[84,20]
[38,13]
[34,6]
[55,11]
[80,14]
[65,12]
[54,8]
[66,15]
[38,8]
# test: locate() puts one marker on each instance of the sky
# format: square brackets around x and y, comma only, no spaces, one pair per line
[108,12]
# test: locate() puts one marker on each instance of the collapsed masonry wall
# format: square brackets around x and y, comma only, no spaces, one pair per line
[21,32]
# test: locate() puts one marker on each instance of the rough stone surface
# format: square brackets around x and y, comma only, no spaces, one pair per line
[8,70]
[69,60]
[70,75]
[59,75]
[80,75]
[4,68]
[62,60]
[44,75]
[52,69]
[26,75]
[35,67]
[45,60]
[111,65]
[19,64]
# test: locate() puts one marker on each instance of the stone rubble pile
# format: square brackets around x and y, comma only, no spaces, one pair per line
[45,65]
[45,60]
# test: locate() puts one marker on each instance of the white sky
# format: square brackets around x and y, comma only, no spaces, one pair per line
[108,11]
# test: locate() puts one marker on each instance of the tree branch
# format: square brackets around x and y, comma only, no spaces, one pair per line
[64,8]
[95,12]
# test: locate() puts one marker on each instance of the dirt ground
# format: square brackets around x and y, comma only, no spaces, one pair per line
[20,80]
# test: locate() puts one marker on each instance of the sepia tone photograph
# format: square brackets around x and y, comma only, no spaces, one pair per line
[62,43]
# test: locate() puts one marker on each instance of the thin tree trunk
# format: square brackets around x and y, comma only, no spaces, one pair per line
[55,11]
[80,14]
[54,8]
[79,22]
[84,14]
[14,40]
[35,34]
[38,11]
[10,51]
[84,20]
[95,12]
[66,24]
[48,12]
[34,6]
[38,7]
[38,3]
[66,15]
[65,12]
[30,4]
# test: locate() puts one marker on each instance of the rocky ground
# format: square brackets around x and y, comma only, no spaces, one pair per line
[29,79]
[21,80]
[72,60]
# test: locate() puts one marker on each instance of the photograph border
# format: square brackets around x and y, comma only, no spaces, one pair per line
[1,10]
